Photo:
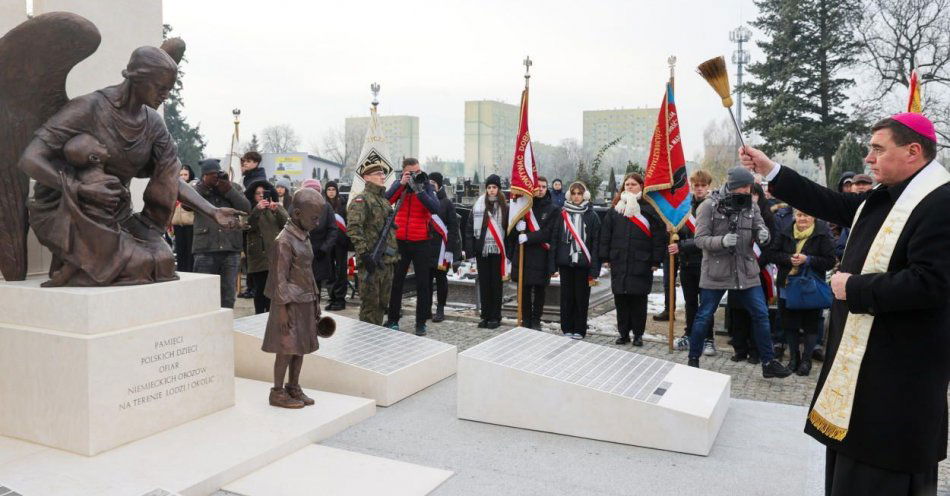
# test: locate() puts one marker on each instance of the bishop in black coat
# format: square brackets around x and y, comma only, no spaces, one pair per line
[898,426]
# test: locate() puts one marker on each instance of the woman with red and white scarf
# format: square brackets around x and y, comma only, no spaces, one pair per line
[633,241]
[487,245]
[577,240]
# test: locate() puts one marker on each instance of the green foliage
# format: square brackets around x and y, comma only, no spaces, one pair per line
[798,98]
[634,167]
[611,183]
[191,144]
[848,157]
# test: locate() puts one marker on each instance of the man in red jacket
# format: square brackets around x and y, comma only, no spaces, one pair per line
[414,230]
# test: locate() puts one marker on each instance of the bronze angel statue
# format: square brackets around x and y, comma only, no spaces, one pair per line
[83,153]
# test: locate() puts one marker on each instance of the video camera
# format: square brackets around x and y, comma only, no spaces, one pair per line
[731,205]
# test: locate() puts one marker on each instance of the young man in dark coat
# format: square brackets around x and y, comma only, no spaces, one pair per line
[538,256]
[453,248]
[880,406]
[691,259]
[251,170]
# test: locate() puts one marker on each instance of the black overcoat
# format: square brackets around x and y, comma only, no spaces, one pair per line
[899,416]
[323,239]
[538,261]
[631,253]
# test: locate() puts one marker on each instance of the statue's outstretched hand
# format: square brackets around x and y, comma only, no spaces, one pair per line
[228,218]
[104,194]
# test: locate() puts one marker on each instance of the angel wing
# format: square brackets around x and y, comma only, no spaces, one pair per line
[36,57]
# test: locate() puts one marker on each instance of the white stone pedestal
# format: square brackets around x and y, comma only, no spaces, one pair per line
[540,381]
[361,359]
[89,369]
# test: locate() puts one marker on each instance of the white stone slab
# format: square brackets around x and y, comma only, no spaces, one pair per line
[100,310]
[90,392]
[320,469]
[361,359]
[540,381]
[194,459]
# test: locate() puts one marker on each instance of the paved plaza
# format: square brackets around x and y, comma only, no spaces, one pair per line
[460,330]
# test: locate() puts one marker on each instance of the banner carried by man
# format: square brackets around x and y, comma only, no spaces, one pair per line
[524,172]
[375,152]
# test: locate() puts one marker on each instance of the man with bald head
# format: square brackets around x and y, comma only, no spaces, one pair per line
[880,406]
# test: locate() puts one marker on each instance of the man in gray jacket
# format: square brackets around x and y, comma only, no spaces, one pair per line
[218,251]
[727,227]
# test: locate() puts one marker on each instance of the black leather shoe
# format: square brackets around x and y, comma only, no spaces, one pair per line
[483,324]
[738,357]
[818,354]
[439,315]
[662,316]
[804,368]
[775,369]
[753,358]
[492,324]
[638,340]
[693,362]
[622,340]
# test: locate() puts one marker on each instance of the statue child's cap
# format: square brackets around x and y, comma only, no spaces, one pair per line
[918,123]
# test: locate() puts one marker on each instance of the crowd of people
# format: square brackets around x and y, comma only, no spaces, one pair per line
[739,240]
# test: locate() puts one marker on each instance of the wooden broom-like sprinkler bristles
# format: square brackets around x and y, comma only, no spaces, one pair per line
[714,72]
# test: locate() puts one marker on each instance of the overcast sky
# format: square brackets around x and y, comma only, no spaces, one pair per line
[309,64]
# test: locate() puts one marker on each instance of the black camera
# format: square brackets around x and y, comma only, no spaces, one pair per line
[733,203]
[418,180]
[223,176]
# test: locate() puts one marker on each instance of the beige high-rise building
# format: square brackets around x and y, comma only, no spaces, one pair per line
[635,126]
[491,128]
[401,133]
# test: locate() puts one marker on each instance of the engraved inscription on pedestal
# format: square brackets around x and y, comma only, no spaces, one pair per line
[173,363]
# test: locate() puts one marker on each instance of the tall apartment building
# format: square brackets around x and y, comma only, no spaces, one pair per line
[491,128]
[635,126]
[401,133]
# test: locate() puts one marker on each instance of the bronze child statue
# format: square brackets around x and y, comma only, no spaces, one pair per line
[295,321]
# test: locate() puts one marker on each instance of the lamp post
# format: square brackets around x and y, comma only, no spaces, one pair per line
[740,57]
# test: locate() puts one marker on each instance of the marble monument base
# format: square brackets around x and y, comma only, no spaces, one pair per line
[361,359]
[545,382]
[193,459]
[89,369]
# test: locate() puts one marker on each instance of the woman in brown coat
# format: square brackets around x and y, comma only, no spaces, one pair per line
[295,319]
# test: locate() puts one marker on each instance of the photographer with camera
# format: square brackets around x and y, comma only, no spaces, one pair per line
[414,232]
[217,250]
[266,221]
[727,225]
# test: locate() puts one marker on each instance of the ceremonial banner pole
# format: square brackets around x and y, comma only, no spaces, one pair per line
[673,239]
[524,180]
[665,183]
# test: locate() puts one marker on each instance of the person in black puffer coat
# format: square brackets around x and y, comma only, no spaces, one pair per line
[538,254]
[578,268]
[806,243]
[340,251]
[633,240]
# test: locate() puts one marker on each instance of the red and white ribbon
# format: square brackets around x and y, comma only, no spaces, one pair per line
[495,230]
[573,231]
[642,222]
[443,231]
[340,222]
[769,273]
[691,223]
[534,226]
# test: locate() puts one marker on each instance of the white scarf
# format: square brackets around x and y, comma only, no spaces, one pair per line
[832,411]
[628,206]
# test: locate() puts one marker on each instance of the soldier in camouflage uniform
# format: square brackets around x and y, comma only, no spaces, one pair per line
[366,214]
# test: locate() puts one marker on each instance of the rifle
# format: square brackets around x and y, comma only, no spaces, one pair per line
[374,259]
